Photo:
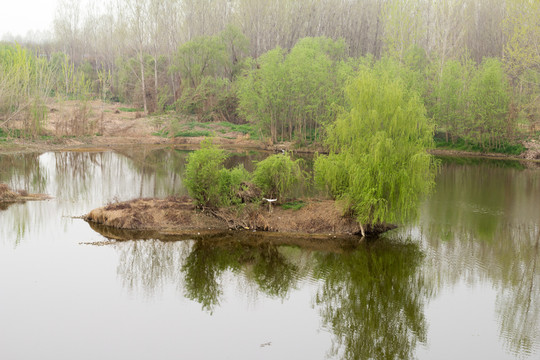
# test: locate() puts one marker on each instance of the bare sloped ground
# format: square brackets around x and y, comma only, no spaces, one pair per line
[166,215]
[533,150]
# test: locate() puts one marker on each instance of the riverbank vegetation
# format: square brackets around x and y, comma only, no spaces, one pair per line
[282,66]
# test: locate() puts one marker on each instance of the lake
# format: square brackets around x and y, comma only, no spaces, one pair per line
[460,282]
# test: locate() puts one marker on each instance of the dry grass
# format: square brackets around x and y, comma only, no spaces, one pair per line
[179,214]
[7,195]
[153,214]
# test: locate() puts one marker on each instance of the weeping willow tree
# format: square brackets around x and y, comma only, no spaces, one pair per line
[378,167]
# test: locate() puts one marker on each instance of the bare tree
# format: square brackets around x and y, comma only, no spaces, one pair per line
[137,12]
[67,26]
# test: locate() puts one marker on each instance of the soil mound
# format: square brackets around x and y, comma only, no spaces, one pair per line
[165,215]
[7,195]
[176,216]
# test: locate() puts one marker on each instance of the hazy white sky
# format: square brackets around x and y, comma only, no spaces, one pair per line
[20,16]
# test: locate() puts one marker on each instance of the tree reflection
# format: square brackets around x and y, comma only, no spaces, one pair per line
[148,265]
[198,266]
[264,264]
[23,171]
[481,226]
[20,171]
[373,300]
[518,301]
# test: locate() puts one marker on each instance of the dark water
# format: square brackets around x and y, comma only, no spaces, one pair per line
[463,282]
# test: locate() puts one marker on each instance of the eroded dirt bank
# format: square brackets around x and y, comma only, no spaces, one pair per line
[178,216]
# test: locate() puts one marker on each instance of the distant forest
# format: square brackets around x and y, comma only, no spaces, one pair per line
[283,64]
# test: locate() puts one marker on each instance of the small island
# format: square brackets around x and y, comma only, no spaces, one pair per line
[374,175]
[10,196]
[180,216]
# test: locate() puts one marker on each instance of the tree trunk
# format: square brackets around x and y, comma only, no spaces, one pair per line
[143,85]
[156,84]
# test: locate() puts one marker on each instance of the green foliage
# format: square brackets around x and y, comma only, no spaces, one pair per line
[471,105]
[237,48]
[277,175]
[293,205]
[125,109]
[451,94]
[241,128]
[378,165]
[462,145]
[489,100]
[211,100]
[330,174]
[291,95]
[201,57]
[26,81]
[193,133]
[70,82]
[208,182]
[230,183]
[203,174]
[411,70]
[259,92]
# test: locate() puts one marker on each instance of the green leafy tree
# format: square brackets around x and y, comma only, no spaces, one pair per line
[230,183]
[260,92]
[203,56]
[277,175]
[292,95]
[212,100]
[379,147]
[237,48]
[489,123]
[451,91]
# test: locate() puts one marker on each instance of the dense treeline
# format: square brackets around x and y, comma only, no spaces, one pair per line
[284,64]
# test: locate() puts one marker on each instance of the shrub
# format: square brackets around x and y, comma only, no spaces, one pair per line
[277,175]
[231,183]
[202,176]
[209,182]
[211,100]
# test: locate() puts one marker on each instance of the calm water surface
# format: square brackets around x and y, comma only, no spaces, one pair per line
[463,282]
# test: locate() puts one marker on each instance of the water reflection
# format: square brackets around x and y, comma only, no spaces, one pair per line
[263,264]
[518,300]
[373,300]
[371,296]
[197,267]
[481,226]
[23,171]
